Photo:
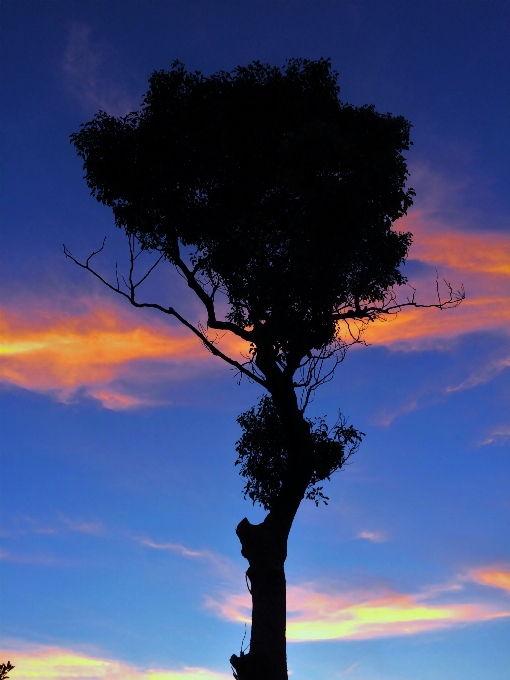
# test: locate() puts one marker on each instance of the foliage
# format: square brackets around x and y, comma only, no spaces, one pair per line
[281,196]
[262,452]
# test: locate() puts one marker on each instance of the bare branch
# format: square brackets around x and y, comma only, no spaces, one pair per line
[369,313]
[131,296]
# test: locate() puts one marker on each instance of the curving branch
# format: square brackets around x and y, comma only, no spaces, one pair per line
[130,294]
[208,301]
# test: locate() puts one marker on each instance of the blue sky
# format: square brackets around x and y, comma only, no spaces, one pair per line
[119,493]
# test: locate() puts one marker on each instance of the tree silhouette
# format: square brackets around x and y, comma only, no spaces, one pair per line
[275,202]
[4,669]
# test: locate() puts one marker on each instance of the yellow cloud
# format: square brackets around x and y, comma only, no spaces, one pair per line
[55,663]
[353,615]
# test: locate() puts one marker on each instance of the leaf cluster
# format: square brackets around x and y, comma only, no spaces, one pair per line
[263,453]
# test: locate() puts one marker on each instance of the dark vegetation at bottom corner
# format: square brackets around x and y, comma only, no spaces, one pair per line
[4,669]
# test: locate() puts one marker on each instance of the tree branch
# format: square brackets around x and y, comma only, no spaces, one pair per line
[131,296]
[208,302]
[372,313]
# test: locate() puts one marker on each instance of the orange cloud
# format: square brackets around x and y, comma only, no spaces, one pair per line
[313,615]
[53,663]
[414,326]
[62,352]
[497,578]
[479,260]
[473,252]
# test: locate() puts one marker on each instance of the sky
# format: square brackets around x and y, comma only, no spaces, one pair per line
[120,496]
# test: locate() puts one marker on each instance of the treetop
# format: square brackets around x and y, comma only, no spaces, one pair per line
[276,197]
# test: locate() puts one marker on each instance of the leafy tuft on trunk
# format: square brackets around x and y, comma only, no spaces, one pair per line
[263,452]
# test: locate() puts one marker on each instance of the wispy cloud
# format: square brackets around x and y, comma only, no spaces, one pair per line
[54,663]
[357,615]
[20,558]
[220,564]
[483,374]
[373,536]
[21,525]
[499,435]
[83,527]
[97,352]
[348,671]
[92,74]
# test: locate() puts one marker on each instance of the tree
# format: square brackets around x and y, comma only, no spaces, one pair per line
[275,201]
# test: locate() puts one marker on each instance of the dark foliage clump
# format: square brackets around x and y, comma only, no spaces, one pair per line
[262,452]
[4,669]
[282,196]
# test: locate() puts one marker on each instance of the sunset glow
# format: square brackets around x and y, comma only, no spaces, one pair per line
[466,251]
[62,352]
[53,663]
[314,615]
[493,577]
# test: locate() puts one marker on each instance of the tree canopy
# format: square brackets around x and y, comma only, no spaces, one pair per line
[275,195]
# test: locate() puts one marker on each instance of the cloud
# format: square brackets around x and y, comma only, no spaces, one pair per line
[484,374]
[93,75]
[54,663]
[43,560]
[348,670]
[417,329]
[220,564]
[373,536]
[496,577]
[437,243]
[64,352]
[81,527]
[22,525]
[359,615]
[498,435]
[477,258]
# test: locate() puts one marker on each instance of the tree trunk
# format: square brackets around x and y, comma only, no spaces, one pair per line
[265,547]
